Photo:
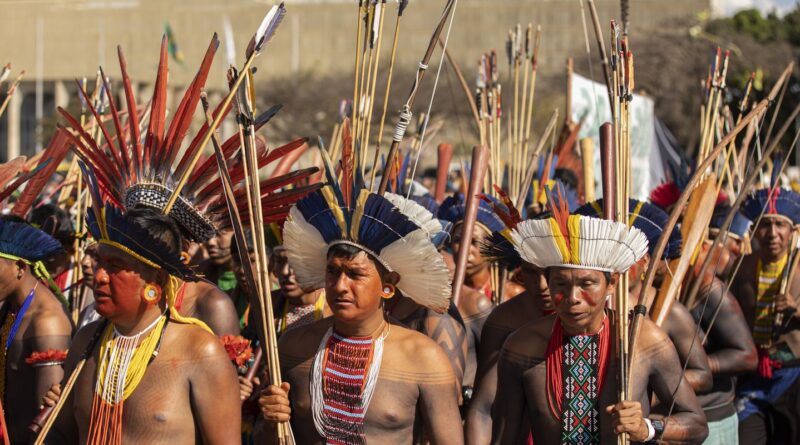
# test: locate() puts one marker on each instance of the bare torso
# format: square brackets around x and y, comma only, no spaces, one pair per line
[45,325]
[190,383]
[413,385]
[522,382]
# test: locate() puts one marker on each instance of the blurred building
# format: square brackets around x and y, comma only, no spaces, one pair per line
[59,41]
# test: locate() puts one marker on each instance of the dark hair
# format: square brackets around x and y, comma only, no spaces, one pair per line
[349,251]
[54,221]
[567,176]
[160,227]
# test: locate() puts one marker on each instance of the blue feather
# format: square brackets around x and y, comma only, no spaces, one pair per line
[317,211]
[382,224]
[25,241]
[330,173]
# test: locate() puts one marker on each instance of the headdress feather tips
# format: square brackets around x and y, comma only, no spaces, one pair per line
[594,243]
[27,242]
[773,202]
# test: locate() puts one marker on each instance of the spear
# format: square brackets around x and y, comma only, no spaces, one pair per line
[400,9]
[405,114]
[264,33]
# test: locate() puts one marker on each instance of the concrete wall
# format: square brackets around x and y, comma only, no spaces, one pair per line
[73,37]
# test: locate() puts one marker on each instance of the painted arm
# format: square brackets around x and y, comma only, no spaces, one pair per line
[451,336]
[687,422]
[51,332]
[479,416]
[688,342]
[735,351]
[438,399]
[507,419]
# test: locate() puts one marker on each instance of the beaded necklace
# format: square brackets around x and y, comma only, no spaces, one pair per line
[343,380]
[296,316]
[121,366]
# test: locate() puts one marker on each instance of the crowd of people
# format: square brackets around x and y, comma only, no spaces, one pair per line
[129,312]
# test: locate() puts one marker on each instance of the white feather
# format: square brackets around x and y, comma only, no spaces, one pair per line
[424,276]
[266,30]
[306,250]
[604,245]
[416,213]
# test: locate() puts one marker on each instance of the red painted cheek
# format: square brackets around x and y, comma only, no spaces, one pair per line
[589,299]
[558,297]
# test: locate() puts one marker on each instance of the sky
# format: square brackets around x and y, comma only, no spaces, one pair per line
[728,7]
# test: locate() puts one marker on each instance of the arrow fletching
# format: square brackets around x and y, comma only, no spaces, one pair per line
[267,29]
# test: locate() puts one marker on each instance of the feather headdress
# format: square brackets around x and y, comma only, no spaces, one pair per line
[646,217]
[22,242]
[454,207]
[108,225]
[774,202]
[143,170]
[740,226]
[578,241]
[398,237]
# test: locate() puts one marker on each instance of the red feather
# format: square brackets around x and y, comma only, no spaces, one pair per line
[9,170]
[347,163]
[155,129]
[186,109]
[188,155]
[55,153]
[133,116]
[118,128]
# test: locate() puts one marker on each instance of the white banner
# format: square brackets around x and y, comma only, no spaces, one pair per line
[591,99]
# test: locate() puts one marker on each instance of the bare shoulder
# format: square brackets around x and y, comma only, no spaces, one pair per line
[303,341]
[411,355]
[513,313]
[473,304]
[529,342]
[652,339]
[209,294]
[193,342]
[50,318]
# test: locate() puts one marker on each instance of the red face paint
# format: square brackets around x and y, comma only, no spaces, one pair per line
[558,297]
[588,298]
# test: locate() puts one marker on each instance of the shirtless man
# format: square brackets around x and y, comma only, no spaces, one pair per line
[730,348]
[415,381]
[679,325]
[205,301]
[537,354]
[533,304]
[33,322]
[294,306]
[218,267]
[412,389]
[188,393]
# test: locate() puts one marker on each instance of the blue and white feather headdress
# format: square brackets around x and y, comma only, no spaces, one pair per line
[394,231]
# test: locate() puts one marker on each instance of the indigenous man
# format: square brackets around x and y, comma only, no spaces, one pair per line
[448,329]
[559,369]
[533,304]
[729,346]
[479,275]
[35,330]
[475,307]
[679,324]
[355,378]
[151,375]
[217,269]
[767,400]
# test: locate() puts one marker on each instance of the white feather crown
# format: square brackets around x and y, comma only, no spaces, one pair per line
[579,242]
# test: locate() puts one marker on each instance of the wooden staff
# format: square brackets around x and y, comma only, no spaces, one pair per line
[405,114]
[401,7]
[47,416]
[264,33]
[445,153]
[607,163]
[463,82]
[480,162]
[699,213]
[587,157]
